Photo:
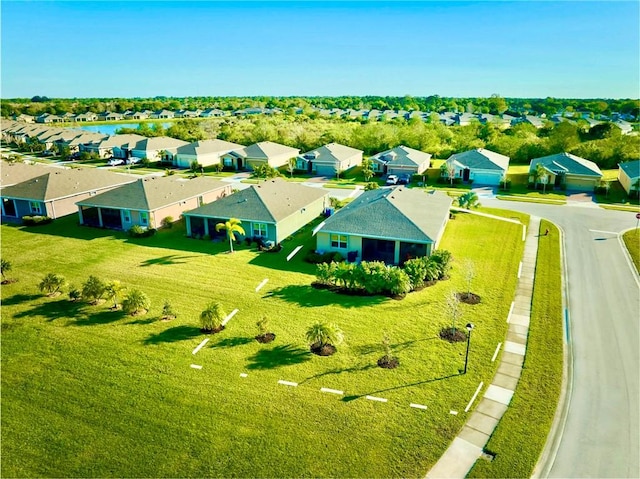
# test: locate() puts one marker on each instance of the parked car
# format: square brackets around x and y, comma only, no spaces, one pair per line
[115,162]
[404,179]
[133,161]
[392,180]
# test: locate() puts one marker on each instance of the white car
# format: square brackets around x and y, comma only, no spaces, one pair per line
[115,162]
[392,180]
[133,161]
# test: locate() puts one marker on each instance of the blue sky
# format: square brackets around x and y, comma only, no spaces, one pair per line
[515,49]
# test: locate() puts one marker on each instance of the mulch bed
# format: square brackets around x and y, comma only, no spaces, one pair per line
[211,331]
[139,312]
[468,298]
[456,336]
[325,350]
[167,318]
[9,281]
[265,338]
[388,363]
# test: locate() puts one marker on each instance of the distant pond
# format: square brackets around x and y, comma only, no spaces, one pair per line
[110,129]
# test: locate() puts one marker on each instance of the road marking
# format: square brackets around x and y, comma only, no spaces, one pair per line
[453,413]
[196,366]
[229,316]
[332,391]
[317,228]
[474,396]
[605,232]
[495,355]
[204,341]
[293,253]
[520,269]
[418,406]
[287,383]
[243,375]
[259,287]
[374,398]
[524,232]
[513,303]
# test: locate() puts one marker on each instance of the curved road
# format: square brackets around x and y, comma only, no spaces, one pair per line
[601,437]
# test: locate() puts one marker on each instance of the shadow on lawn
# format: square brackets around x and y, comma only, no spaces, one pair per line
[166,260]
[354,369]
[231,342]
[20,298]
[427,381]
[171,335]
[101,317]
[286,355]
[309,296]
[52,310]
[377,348]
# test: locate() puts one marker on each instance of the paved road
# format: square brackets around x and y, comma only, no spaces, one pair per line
[601,437]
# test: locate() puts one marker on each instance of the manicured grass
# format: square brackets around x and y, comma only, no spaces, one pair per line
[621,208]
[88,392]
[527,199]
[521,434]
[632,241]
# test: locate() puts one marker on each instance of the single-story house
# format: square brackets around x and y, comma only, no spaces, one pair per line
[147,201]
[150,147]
[162,114]
[482,166]
[24,118]
[401,160]
[55,193]
[14,173]
[329,160]
[49,118]
[88,116]
[117,146]
[629,176]
[264,152]
[138,115]
[212,112]
[205,152]
[272,210]
[114,116]
[387,224]
[568,171]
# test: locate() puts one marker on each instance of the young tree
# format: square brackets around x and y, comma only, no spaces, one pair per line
[93,289]
[212,316]
[195,167]
[291,166]
[448,170]
[541,174]
[51,283]
[232,227]
[469,274]
[136,302]
[367,169]
[113,290]
[167,310]
[74,293]
[453,309]
[322,334]
[468,200]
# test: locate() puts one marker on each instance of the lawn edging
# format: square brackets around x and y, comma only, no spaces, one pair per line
[528,434]
[526,199]
[630,241]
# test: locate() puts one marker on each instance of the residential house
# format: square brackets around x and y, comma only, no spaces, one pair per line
[212,112]
[139,115]
[481,166]
[205,152]
[14,173]
[25,118]
[272,210]
[530,119]
[625,127]
[150,147]
[113,116]
[401,160]
[387,224]
[68,117]
[629,177]
[329,160]
[567,171]
[264,152]
[147,201]
[55,193]
[116,146]
[48,118]
[162,114]
[88,116]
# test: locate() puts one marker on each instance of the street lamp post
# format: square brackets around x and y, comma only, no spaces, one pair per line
[466,358]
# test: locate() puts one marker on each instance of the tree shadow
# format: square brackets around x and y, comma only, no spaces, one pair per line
[310,297]
[166,260]
[353,369]
[171,335]
[144,320]
[52,310]
[19,298]
[102,317]
[427,381]
[231,342]
[284,355]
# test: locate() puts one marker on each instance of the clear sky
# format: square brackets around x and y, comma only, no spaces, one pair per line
[515,49]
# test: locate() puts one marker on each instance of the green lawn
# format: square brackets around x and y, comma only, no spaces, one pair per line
[632,242]
[521,434]
[87,392]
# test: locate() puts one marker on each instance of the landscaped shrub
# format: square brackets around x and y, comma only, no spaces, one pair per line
[36,220]
[211,318]
[137,231]
[505,185]
[93,289]
[51,284]
[317,258]
[442,259]
[398,281]
[167,222]
[374,276]
[136,302]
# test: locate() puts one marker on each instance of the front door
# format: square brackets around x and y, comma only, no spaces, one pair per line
[9,207]
[465,174]
[239,163]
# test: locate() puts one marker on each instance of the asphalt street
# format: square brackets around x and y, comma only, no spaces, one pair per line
[601,437]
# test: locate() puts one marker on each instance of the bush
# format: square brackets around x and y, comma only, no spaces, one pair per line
[398,281]
[74,293]
[93,289]
[372,185]
[505,185]
[314,257]
[211,318]
[138,231]
[136,302]
[36,220]
[442,259]
[167,222]
[52,283]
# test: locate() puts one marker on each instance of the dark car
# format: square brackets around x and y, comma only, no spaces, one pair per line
[404,179]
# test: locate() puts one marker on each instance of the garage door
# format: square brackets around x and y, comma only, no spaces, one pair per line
[580,184]
[484,178]
[324,170]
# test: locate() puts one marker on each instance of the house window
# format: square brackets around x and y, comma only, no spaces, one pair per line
[260,229]
[226,161]
[338,241]
[35,207]
[144,218]
[127,216]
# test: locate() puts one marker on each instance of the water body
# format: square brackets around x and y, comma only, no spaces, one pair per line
[108,129]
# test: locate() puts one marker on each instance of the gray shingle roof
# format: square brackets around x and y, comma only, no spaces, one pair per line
[631,168]
[332,153]
[404,156]
[60,183]
[148,194]
[268,149]
[10,174]
[570,164]
[270,201]
[159,143]
[208,146]
[481,159]
[394,213]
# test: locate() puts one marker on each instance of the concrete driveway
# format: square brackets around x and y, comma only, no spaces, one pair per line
[601,437]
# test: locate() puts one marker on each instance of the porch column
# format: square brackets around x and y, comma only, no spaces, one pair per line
[188,224]
[100,217]
[80,215]
[396,253]
[206,226]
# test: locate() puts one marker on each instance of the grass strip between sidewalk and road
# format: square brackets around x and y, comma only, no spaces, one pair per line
[530,200]
[632,242]
[520,436]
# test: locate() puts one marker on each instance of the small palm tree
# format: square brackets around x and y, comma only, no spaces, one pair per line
[232,226]
[468,200]
[136,302]
[93,289]
[113,290]
[211,318]
[51,283]
[5,267]
[322,334]
[167,310]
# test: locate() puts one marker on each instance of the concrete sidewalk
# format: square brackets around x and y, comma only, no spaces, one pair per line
[467,447]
